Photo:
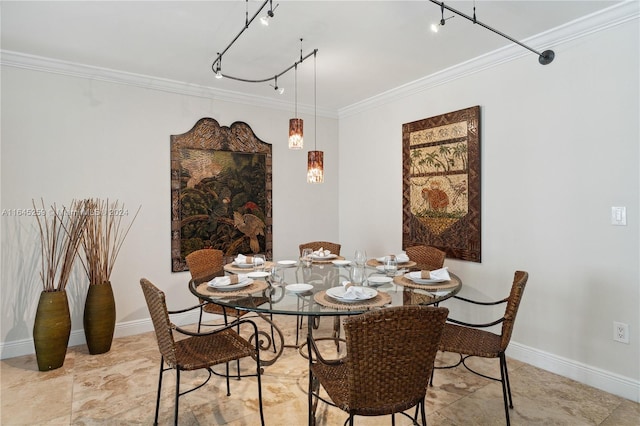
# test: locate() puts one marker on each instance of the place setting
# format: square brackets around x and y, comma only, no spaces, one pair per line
[232,285]
[438,279]
[401,260]
[321,255]
[349,296]
[242,263]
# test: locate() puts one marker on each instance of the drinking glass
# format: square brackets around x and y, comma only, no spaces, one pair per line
[360,257]
[356,276]
[274,278]
[258,262]
[306,257]
[390,266]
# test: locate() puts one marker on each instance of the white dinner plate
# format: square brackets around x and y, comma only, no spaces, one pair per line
[338,293]
[415,277]
[258,274]
[327,257]
[341,262]
[287,262]
[299,287]
[376,280]
[242,265]
[241,284]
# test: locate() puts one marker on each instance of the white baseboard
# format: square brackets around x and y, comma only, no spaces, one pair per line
[586,374]
[592,376]
[131,328]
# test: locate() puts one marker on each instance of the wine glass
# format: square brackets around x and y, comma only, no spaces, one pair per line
[390,266]
[306,257]
[258,262]
[356,275]
[360,257]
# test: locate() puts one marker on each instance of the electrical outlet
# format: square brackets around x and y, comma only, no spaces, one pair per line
[620,332]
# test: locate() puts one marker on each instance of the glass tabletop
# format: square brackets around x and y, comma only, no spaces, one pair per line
[318,290]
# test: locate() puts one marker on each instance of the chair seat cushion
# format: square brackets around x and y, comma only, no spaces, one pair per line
[470,341]
[197,352]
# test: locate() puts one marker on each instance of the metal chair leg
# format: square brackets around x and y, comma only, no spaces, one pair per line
[175,411]
[155,421]
[503,381]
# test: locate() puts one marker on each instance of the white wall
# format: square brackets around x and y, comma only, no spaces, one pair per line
[65,137]
[559,148]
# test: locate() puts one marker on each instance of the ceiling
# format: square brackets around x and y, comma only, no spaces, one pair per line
[364,47]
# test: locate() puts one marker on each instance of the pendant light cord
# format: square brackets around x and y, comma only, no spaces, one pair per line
[315,104]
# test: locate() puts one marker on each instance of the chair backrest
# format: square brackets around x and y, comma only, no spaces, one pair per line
[390,356]
[426,257]
[205,264]
[161,323]
[517,289]
[316,245]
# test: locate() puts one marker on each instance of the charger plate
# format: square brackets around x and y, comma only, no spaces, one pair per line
[328,260]
[374,263]
[378,301]
[445,285]
[230,267]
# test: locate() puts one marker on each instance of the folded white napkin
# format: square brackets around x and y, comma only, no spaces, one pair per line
[322,252]
[355,293]
[227,280]
[242,259]
[439,274]
[400,258]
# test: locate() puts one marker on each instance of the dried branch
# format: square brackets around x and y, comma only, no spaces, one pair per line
[60,238]
[103,237]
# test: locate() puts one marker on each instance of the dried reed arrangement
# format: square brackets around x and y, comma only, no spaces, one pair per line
[104,234]
[60,237]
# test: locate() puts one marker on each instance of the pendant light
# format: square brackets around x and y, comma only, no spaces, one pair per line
[296,133]
[315,159]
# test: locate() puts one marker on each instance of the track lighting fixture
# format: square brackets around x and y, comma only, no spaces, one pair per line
[216,66]
[265,19]
[436,27]
[280,90]
[544,58]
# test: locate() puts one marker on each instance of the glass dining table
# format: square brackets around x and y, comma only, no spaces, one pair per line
[287,287]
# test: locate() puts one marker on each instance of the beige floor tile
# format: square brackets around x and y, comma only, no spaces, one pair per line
[119,388]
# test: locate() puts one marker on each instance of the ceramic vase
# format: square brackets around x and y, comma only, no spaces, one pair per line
[99,318]
[51,329]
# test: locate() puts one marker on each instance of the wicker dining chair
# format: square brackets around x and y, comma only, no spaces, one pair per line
[204,265]
[317,245]
[469,340]
[390,354]
[426,257]
[198,350]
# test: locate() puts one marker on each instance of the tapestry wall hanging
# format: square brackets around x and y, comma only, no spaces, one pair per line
[220,191]
[441,183]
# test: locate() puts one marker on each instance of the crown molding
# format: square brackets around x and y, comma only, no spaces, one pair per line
[598,21]
[56,66]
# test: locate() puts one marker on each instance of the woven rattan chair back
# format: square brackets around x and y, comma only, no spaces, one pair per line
[513,303]
[390,357]
[316,245]
[205,264]
[426,257]
[161,323]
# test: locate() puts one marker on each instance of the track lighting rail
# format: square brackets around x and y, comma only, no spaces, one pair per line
[216,66]
[544,58]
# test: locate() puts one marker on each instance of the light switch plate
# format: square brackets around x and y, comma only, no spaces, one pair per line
[619,216]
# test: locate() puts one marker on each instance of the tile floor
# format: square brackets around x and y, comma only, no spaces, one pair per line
[119,387]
